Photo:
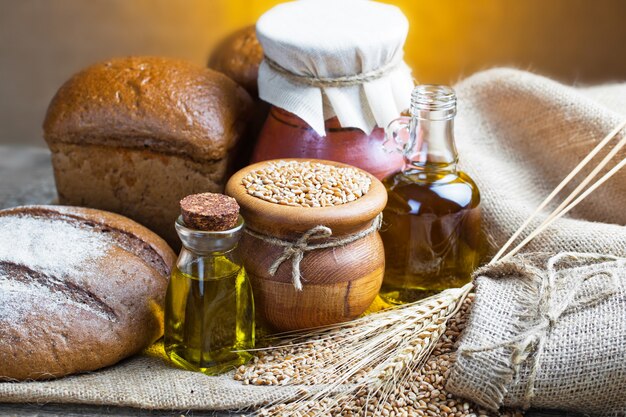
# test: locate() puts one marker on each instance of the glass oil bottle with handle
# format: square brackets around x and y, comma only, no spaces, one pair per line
[432,224]
[209,309]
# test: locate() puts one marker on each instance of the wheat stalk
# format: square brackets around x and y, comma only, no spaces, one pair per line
[568,178]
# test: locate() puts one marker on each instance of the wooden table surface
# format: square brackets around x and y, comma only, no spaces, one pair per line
[26,178]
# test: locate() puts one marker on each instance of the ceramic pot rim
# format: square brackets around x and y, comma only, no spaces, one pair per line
[263,215]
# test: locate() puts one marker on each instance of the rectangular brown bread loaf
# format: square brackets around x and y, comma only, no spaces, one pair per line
[135,135]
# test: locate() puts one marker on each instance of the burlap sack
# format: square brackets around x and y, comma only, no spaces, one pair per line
[547,331]
[518,135]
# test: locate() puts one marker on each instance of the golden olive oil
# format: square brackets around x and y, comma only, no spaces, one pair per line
[431,233]
[209,316]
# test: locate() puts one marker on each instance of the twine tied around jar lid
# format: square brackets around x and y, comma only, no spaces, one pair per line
[295,250]
[342,81]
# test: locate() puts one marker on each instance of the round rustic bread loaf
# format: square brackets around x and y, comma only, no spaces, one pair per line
[80,289]
[239,57]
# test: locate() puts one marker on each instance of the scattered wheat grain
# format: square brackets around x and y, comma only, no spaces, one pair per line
[421,394]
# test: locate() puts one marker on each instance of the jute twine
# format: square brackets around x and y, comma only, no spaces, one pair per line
[295,250]
[343,81]
[552,305]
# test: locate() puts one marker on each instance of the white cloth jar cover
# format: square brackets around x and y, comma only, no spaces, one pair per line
[344,58]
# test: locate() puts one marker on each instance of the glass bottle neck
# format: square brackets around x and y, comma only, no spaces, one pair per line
[433,144]
[209,243]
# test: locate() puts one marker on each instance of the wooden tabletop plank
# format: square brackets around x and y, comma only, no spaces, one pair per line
[74,410]
[25,176]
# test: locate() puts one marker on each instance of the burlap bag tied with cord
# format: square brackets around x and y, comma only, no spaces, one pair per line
[518,135]
[547,331]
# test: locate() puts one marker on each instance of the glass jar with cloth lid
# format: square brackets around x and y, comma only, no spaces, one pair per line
[334,73]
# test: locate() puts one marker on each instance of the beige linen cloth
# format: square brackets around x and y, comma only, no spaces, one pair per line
[518,135]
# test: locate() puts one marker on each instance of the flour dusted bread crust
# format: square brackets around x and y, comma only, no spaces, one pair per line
[80,289]
[135,135]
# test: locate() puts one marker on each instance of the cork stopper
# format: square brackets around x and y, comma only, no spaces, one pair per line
[209,211]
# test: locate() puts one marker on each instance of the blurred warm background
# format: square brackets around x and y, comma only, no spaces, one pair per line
[42,42]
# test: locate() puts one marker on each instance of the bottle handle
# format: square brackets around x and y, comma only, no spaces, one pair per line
[397,135]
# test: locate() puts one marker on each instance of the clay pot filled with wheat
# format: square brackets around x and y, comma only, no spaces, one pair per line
[311,245]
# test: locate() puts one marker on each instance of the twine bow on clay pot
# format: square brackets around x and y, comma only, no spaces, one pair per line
[296,250]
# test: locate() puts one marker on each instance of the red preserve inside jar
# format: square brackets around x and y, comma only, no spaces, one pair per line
[285,135]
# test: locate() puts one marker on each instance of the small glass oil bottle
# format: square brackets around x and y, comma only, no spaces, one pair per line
[432,224]
[209,311]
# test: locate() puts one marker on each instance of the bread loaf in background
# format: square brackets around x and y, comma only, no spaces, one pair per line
[239,56]
[80,289]
[134,135]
